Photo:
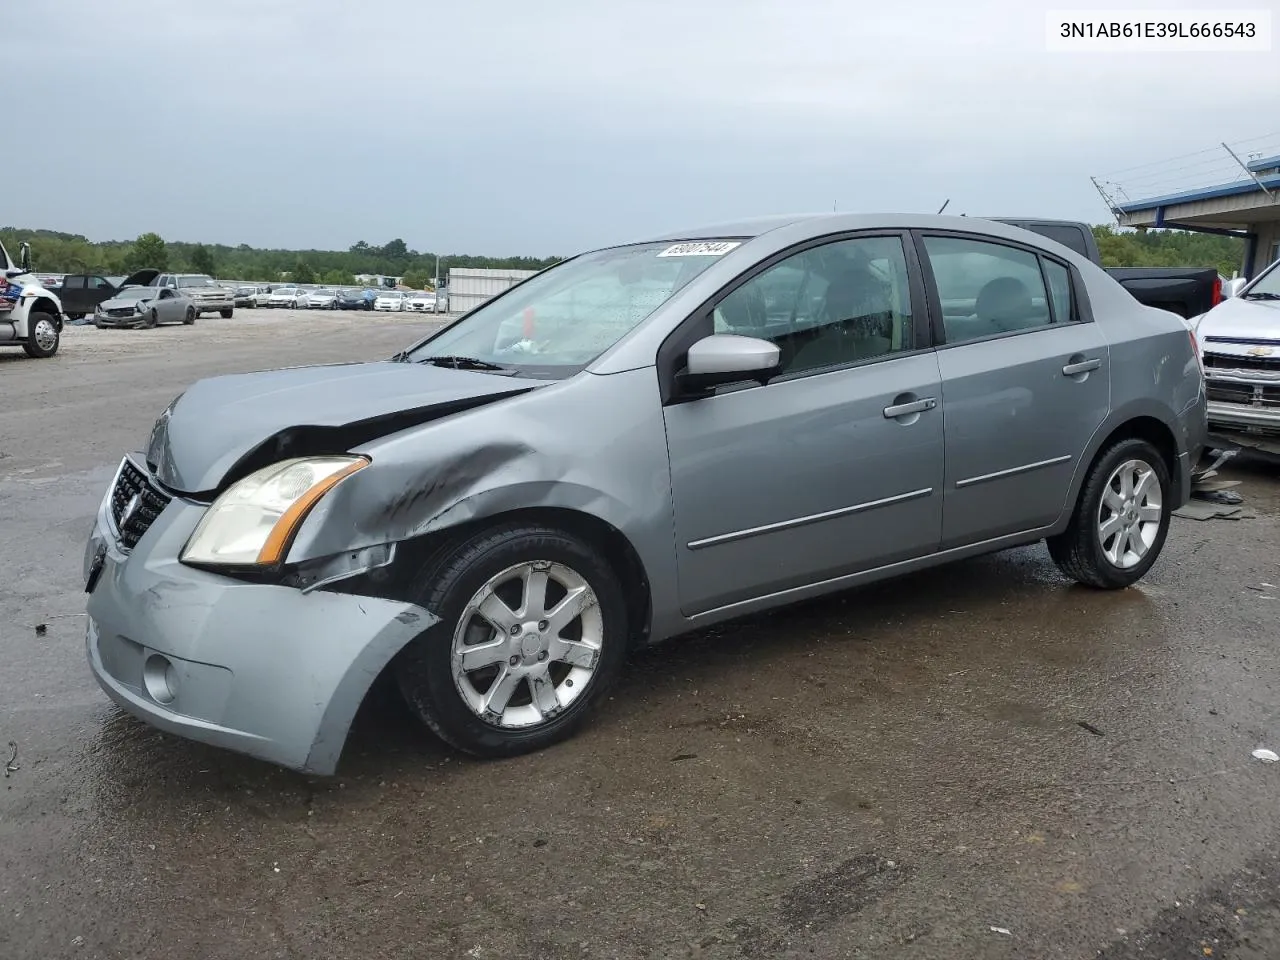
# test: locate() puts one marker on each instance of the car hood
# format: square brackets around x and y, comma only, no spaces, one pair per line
[1243,319]
[225,427]
[128,299]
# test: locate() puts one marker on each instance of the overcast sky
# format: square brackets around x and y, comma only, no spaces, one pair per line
[500,127]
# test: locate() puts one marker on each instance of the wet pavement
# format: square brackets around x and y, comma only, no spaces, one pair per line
[977,761]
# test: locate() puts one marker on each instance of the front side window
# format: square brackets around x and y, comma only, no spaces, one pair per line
[986,289]
[830,305]
[557,322]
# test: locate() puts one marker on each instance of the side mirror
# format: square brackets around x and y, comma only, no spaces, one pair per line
[15,272]
[728,358]
[24,257]
[1232,288]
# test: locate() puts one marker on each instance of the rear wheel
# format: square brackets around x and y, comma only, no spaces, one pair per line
[43,335]
[1121,520]
[533,631]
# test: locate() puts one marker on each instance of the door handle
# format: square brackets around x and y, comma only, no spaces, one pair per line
[906,409]
[1084,366]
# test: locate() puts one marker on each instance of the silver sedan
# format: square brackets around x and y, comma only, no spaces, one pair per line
[637,442]
[145,307]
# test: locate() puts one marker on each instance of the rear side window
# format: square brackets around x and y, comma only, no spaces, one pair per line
[986,289]
[1059,291]
[73,283]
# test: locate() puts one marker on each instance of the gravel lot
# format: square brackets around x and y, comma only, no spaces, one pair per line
[980,761]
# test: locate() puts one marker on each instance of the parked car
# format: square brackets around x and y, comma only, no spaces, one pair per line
[1240,342]
[1186,291]
[954,387]
[421,303]
[206,294]
[144,306]
[355,299]
[251,296]
[81,293]
[321,298]
[284,297]
[392,300]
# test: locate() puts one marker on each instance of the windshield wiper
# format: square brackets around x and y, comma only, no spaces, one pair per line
[462,363]
[1262,296]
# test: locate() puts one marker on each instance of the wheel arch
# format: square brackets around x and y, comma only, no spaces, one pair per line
[396,581]
[45,304]
[1143,423]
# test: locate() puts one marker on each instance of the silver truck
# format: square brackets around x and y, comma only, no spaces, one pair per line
[208,295]
[1239,341]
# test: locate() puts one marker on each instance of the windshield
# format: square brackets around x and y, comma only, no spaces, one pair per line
[568,315]
[134,290]
[196,282]
[285,291]
[321,292]
[1268,285]
[390,294]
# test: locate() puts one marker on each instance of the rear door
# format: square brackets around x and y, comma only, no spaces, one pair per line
[1025,381]
[833,467]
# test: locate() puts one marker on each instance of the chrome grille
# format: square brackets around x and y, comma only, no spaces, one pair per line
[135,503]
[1226,361]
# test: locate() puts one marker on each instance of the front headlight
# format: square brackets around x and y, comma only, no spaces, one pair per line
[254,521]
[140,307]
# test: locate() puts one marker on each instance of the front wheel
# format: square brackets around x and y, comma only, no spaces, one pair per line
[226,313]
[43,335]
[190,316]
[153,320]
[533,631]
[1121,520]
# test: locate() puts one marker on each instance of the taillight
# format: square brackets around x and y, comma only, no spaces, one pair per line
[1217,290]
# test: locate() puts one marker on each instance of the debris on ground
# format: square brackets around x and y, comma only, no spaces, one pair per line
[11,765]
[1003,931]
[41,629]
[1200,510]
[1083,725]
[1265,755]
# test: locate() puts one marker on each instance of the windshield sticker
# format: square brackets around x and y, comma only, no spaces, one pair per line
[705,248]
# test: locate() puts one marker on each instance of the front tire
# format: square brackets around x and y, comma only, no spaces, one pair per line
[1121,520]
[533,631]
[226,313]
[153,320]
[190,316]
[43,335]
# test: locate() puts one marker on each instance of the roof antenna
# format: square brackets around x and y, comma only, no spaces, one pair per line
[944,206]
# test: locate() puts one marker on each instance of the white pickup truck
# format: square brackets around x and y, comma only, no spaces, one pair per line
[30,316]
[1240,344]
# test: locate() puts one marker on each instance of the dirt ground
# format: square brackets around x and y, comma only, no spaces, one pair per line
[978,761]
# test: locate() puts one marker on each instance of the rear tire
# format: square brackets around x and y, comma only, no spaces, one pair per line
[43,335]
[1121,519]
[567,660]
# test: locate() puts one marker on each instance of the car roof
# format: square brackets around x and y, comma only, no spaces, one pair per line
[822,223]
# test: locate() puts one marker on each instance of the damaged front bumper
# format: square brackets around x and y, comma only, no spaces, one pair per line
[261,669]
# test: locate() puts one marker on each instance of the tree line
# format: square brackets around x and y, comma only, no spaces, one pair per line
[54,252]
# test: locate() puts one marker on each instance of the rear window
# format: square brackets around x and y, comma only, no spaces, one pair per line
[1070,237]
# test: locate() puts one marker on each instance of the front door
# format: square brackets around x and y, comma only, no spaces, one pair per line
[835,466]
[1025,382]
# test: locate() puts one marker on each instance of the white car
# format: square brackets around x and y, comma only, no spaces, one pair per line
[392,300]
[284,297]
[321,298]
[421,303]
